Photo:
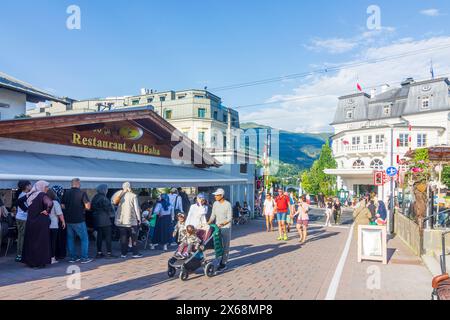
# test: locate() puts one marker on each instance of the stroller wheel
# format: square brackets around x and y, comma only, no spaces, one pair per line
[184,275]
[171,272]
[210,270]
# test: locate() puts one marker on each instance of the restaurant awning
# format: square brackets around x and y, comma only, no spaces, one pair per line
[61,170]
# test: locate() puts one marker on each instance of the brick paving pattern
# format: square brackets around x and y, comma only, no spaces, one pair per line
[260,267]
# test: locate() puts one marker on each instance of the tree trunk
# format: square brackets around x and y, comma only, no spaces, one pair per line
[420,205]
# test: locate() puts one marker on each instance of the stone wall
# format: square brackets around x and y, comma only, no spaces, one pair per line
[408,231]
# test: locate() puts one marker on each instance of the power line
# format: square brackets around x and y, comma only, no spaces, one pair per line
[328,70]
[318,96]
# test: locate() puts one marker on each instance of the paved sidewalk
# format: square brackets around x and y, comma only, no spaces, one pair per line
[405,277]
[260,268]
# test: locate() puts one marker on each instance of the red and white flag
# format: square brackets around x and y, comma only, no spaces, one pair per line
[358,86]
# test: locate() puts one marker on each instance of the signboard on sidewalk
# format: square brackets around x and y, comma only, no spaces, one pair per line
[372,243]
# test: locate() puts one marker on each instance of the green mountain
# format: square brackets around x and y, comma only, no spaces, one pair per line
[298,150]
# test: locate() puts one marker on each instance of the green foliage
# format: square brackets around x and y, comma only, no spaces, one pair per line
[419,167]
[315,180]
[446,176]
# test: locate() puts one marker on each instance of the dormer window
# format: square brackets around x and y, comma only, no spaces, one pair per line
[425,103]
[349,114]
[387,110]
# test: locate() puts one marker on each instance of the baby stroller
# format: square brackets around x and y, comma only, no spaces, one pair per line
[210,239]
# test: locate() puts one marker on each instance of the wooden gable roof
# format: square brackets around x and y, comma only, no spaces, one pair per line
[154,131]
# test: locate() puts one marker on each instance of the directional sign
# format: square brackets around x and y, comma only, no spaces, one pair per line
[391,171]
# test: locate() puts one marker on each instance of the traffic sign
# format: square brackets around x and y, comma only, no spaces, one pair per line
[391,171]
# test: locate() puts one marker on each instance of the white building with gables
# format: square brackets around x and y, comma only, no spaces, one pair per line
[414,115]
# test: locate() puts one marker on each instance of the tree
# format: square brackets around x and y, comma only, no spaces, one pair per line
[316,181]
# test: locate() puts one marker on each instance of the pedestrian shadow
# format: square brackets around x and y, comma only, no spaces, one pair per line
[117,289]
[255,254]
[18,273]
[390,253]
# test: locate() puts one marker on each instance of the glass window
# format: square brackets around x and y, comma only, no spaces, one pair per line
[379,138]
[421,140]
[149,100]
[168,114]
[404,139]
[216,115]
[425,103]
[387,110]
[225,118]
[349,114]
[162,99]
[199,96]
[202,113]
[358,164]
[367,139]
[201,138]
[135,102]
[356,140]
[376,164]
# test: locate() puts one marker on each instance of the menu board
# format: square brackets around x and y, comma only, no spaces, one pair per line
[372,243]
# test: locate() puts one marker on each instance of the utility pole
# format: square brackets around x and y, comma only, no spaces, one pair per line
[391,204]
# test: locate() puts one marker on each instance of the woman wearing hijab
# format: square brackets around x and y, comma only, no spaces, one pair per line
[163,226]
[197,212]
[128,219]
[36,248]
[102,210]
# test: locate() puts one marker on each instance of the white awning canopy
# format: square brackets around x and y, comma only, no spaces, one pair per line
[15,166]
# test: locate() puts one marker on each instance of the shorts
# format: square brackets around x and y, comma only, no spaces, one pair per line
[303,223]
[281,216]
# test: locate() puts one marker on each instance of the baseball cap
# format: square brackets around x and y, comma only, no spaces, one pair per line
[201,196]
[220,192]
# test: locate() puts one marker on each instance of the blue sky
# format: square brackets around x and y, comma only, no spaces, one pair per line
[167,44]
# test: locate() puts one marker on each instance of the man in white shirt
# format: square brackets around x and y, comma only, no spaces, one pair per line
[222,214]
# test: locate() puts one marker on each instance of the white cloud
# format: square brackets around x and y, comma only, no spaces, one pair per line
[335,45]
[343,45]
[306,114]
[431,12]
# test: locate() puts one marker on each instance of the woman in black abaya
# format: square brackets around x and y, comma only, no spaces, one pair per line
[36,248]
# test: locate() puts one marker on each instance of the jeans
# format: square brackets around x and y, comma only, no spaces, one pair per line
[104,233]
[125,234]
[226,239]
[53,241]
[80,230]
[20,235]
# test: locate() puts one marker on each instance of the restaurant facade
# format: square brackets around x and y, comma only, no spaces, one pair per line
[134,145]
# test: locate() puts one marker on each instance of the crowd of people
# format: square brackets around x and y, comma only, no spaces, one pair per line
[49,219]
[288,210]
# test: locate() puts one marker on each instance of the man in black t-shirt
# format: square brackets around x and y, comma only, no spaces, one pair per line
[74,203]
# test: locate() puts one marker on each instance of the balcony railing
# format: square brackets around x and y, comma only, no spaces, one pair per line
[362,148]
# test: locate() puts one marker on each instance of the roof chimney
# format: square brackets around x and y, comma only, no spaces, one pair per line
[407,82]
[144,91]
[373,93]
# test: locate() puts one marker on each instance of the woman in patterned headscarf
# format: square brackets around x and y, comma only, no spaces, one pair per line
[36,248]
